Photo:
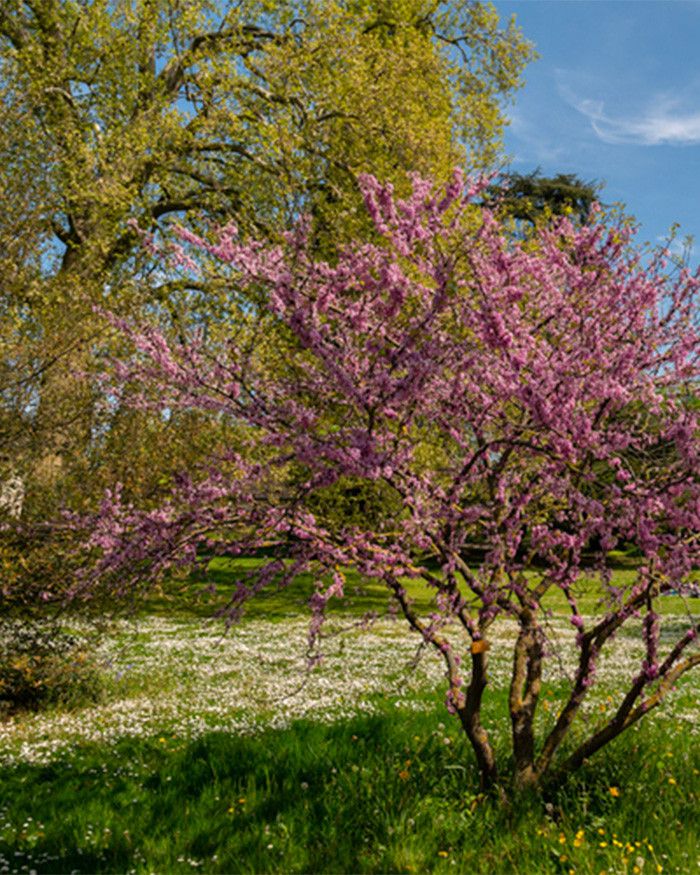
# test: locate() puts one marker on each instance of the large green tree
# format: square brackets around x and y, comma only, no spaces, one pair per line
[117,112]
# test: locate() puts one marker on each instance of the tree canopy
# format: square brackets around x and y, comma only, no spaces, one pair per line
[151,111]
[532,198]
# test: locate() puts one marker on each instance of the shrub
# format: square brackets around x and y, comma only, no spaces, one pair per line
[42,665]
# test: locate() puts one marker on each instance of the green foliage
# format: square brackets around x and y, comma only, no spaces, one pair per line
[356,502]
[41,665]
[533,199]
[254,111]
[36,569]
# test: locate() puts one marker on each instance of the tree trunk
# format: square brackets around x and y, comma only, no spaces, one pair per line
[523,697]
[470,716]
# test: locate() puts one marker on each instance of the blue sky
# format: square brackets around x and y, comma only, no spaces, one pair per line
[615,97]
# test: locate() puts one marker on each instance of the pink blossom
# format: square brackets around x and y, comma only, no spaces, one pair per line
[527,403]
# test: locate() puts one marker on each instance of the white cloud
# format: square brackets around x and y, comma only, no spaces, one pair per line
[663,122]
[539,143]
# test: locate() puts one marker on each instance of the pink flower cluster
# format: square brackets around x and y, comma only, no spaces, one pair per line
[530,402]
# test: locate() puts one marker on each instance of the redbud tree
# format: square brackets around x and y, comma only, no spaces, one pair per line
[536,399]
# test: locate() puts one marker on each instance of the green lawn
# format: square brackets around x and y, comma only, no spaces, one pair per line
[189,597]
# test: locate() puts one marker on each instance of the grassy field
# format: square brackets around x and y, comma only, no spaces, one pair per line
[223,754]
[190,598]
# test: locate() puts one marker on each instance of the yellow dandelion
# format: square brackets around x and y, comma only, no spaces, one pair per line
[614,791]
[443,854]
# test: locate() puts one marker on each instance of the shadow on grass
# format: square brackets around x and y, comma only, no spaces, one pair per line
[311,798]
[383,793]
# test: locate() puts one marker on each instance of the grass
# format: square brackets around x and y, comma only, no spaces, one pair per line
[222,755]
[374,793]
[190,598]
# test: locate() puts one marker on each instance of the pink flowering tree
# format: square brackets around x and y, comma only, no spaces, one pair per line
[537,400]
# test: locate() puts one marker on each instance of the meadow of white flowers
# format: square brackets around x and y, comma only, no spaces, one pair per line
[186,678]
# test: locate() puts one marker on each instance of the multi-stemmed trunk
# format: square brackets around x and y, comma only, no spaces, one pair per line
[534,763]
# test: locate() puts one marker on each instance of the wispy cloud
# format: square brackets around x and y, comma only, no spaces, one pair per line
[536,144]
[663,122]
